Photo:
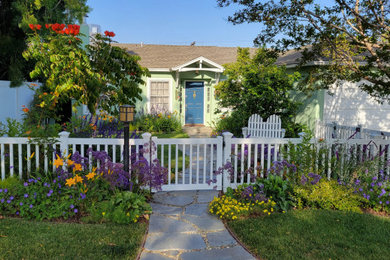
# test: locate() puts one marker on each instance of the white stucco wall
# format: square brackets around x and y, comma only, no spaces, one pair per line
[351,106]
[12,100]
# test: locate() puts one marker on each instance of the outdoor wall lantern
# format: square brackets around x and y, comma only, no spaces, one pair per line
[126,115]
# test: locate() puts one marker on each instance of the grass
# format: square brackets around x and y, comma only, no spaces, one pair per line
[172,135]
[23,239]
[316,234]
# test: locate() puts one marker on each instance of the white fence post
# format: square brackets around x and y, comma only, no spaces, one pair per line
[227,153]
[64,140]
[146,137]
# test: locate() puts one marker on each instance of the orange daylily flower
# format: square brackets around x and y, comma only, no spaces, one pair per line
[78,179]
[58,162]
[90,175]
[70,162]
[70,182]
[77,167]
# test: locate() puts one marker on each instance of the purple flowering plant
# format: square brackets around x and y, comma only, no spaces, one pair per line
[375,190]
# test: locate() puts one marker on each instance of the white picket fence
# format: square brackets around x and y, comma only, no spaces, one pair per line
[192,163]
[336,131]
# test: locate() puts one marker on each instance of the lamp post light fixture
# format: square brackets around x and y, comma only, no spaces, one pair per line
[126,115]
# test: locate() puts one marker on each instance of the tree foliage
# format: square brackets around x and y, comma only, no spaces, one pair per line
[15,16]
[352,37]
[255,85]
[100,75]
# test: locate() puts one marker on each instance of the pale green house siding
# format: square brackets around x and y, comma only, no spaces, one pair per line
[177,91]
[312,108]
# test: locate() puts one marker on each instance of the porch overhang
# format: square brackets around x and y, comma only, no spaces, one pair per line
[199,64]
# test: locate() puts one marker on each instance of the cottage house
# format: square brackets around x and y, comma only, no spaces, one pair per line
[183,78]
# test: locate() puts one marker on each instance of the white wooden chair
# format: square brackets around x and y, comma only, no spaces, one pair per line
[272,128]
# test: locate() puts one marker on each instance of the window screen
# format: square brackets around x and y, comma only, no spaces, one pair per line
[159,95]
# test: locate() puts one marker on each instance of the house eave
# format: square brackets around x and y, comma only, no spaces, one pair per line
[159,69]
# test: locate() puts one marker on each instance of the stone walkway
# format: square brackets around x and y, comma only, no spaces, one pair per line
[181,228]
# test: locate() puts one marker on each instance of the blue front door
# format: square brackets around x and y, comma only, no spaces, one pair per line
[194,102]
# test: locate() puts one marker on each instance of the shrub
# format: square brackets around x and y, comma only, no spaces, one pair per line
[375,190]
[123,208]
[158,122]
[277,189]
[232,123]
[229,208]
[327,195]
[104,126]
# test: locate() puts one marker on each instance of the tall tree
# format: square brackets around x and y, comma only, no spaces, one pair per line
[351,37]
[256,85]
[100,76]
[15,16]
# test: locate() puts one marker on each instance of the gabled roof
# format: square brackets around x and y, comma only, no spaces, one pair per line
[200,64]
[170,56]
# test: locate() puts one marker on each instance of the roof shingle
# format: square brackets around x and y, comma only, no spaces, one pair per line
[169,56]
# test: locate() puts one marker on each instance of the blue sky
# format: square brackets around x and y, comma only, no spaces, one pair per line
[177,22]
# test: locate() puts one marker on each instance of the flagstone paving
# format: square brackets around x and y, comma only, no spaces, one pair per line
[181,228]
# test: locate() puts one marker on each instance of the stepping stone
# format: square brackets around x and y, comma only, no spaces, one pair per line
[197,210]
[152,256]
[165,210]
[207,196]
[168,225]
[232,253]
[221,238]
[174,199]
[206,223]
[174,241]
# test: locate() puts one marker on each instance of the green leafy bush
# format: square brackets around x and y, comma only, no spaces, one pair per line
[123,208]
[232,123]
[10,183]
[12,128]
[327,194]
[277,189]
[160,123]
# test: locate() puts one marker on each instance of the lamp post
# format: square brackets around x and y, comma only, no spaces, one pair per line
[126,115]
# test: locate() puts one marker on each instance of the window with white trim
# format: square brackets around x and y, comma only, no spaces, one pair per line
[159,96]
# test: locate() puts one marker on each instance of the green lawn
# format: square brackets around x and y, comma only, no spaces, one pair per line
[172,135]
[316,234]
[23,239]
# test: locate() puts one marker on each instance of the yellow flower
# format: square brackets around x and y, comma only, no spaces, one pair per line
[78,179]
[32,155]
[70,182]
[58,162]
[77,167]
[90,175]
[103,213]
